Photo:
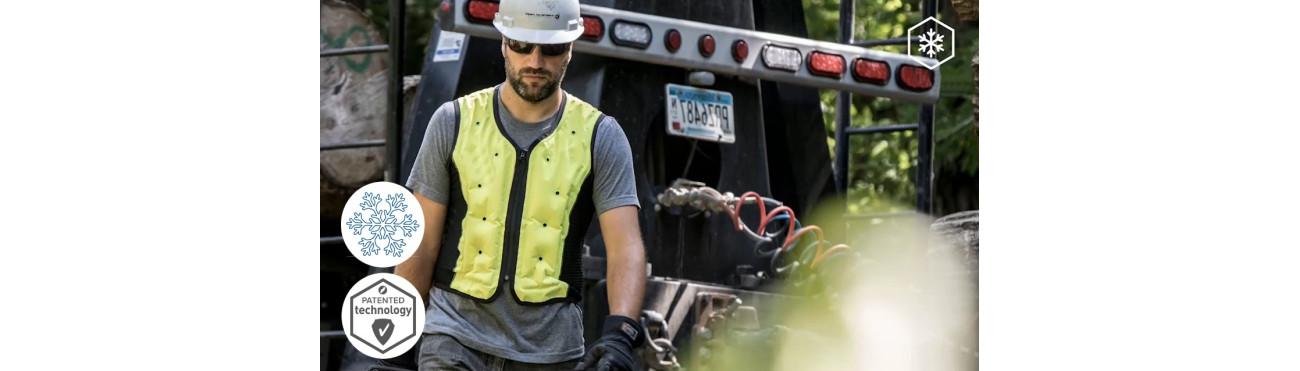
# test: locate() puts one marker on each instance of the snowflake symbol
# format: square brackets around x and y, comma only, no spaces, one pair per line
[931,43]
[382,224]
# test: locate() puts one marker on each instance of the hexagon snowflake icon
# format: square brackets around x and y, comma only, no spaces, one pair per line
[936,43]
[381,224]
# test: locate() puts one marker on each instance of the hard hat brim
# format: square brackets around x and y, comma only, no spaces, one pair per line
[539,36]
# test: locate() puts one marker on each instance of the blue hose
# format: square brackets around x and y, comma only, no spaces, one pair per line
[786,216]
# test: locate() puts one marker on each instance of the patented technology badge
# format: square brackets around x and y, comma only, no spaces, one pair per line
[383,315]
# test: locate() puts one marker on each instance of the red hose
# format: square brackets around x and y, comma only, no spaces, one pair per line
[791,235]
[762,226]
[762,209]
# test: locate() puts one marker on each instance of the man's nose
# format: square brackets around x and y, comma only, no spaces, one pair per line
[534,58]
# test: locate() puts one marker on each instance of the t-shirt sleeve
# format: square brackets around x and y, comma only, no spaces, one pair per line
[615,183]
[430,175]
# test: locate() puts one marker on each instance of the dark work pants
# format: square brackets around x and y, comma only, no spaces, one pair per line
[442,352]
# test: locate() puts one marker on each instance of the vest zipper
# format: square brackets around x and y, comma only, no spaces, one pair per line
[514,218]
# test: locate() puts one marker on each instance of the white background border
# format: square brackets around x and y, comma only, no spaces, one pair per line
[1139,190]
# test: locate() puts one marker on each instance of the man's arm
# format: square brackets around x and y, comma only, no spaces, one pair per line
[430,182]
[615,194]
[625,282]
[625,261]
[418,269]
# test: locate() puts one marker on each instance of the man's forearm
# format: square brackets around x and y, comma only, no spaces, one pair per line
[418,269]
[625,270]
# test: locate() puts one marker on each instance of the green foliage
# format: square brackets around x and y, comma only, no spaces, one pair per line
[882,166]
[419,25]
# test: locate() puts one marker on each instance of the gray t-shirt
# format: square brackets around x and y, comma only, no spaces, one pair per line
[504,328]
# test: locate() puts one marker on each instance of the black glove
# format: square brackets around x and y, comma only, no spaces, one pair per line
[613,351]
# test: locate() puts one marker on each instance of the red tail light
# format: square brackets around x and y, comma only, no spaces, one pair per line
[593,28]
[871,71]
[673,40]
[706,46]
[739,50]
[915,78]
[481,11]
[823,64]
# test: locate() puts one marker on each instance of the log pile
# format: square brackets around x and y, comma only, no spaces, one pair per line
[353,104]
[967,10]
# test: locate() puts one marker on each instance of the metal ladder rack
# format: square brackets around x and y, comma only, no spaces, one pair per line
[924,128]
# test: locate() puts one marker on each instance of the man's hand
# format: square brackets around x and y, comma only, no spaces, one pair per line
[614,350]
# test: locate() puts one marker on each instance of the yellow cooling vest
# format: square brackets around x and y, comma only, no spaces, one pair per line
[511,221]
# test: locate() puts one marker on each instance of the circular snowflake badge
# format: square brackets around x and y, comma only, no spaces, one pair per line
[382,224]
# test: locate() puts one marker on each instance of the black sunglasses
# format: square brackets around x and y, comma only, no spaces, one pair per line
[549,50]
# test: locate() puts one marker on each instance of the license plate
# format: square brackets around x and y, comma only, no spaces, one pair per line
[700,113]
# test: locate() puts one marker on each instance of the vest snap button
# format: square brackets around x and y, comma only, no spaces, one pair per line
[539,258]
[543,225]
[480,185]
[557,193]
[573,132]
[485,218]
[480,252]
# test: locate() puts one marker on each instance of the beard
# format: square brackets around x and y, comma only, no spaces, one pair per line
[536,91]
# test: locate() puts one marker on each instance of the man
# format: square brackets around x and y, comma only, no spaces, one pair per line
[509,178]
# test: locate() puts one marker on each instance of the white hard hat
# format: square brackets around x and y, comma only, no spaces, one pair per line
[541,22]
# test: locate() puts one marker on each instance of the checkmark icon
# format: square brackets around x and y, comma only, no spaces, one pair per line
[383,329]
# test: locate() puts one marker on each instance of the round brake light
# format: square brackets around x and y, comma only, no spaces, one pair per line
[673,40]
[706,46]
[739,50]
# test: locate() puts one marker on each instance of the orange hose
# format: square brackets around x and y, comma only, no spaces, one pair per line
[789,240]
[762,226]
[817,259]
